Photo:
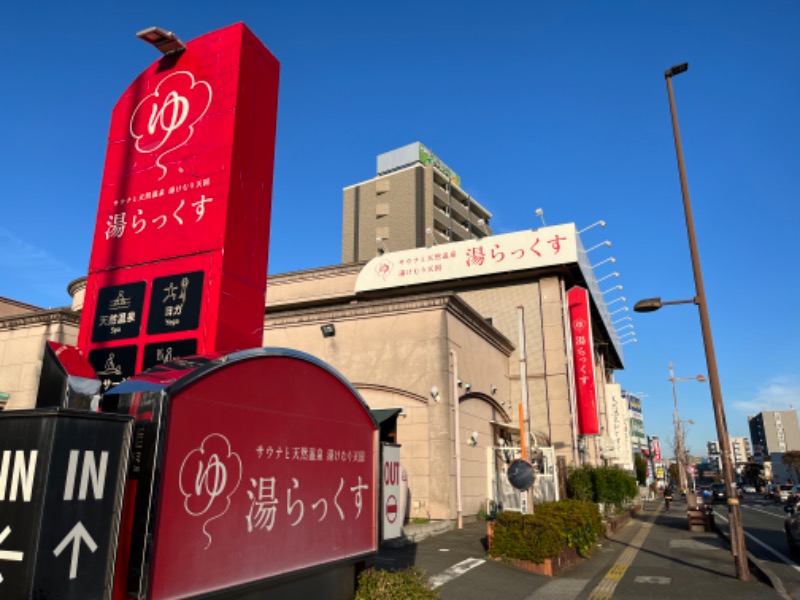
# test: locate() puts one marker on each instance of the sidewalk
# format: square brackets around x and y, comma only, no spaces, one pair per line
[653,556]
[660,558]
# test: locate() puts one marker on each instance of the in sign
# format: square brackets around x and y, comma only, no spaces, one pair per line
[22,474]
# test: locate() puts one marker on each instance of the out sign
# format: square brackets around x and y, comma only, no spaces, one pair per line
[391,484]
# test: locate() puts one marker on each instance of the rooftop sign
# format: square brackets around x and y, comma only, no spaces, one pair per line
[410,154]
[518,251]
[491,255]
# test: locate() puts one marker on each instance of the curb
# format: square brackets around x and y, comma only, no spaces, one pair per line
[411,534]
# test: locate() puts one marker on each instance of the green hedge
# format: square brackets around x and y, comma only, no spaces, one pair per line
[607,485]
[552,528]
[408,584]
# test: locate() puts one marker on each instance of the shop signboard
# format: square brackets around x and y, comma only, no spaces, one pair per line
[583,360]
[254,464]
[179,256]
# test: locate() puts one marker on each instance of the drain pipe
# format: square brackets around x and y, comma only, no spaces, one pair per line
[456,418]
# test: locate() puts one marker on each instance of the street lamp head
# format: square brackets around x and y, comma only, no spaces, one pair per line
[647,305]
[606,243]
[165,41]
[611,259]
[701,378]
[676,70]
[600,223]
[609,276]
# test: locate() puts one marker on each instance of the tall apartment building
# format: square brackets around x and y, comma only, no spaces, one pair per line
[774,432]
[740,452]
[415,201]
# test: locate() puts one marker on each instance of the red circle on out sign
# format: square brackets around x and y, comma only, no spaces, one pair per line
[391,509]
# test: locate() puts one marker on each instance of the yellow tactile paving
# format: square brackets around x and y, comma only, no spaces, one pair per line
[605,589]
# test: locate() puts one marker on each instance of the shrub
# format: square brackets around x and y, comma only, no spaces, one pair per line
[527,537]
[408,584]
[613,486]
[580,523]
[579,484]
[552,528]
[607,485]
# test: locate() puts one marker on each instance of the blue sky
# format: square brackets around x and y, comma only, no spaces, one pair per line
[553,105]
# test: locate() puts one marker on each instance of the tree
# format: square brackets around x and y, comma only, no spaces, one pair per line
[640,465]
[752,472]
[673,473]
[792,461]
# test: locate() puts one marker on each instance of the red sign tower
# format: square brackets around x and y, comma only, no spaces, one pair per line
[179,258]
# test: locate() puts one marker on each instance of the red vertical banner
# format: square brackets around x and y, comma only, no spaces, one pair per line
[583,359]
[179,258]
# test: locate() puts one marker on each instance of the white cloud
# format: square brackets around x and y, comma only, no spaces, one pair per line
[777,393]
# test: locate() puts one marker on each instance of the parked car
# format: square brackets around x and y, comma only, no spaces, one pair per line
[748,488]
[783,492]
[792,528]
[794,495]
[718,492]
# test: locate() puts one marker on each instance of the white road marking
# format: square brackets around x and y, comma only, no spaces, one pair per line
[653,579]
[457,570]
[788,561]
[766,512]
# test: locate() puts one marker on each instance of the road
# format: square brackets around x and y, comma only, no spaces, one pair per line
[765,538]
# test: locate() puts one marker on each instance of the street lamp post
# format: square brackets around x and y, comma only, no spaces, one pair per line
[734,509]
[680,447]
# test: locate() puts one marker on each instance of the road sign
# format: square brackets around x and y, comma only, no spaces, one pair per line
[61,473]
[691,469]
[392,522]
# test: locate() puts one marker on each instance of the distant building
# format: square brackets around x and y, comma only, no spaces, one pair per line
[415,201]
[638,438]
[740,451]
[774,431]
[616,439]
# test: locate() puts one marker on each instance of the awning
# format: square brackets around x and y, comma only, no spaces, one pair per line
[384,414]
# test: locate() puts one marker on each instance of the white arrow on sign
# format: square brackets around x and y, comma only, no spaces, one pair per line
[75,536]
[8,554]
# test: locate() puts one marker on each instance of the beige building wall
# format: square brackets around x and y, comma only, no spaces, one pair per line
[550,406]
[397,353]
[22,342]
